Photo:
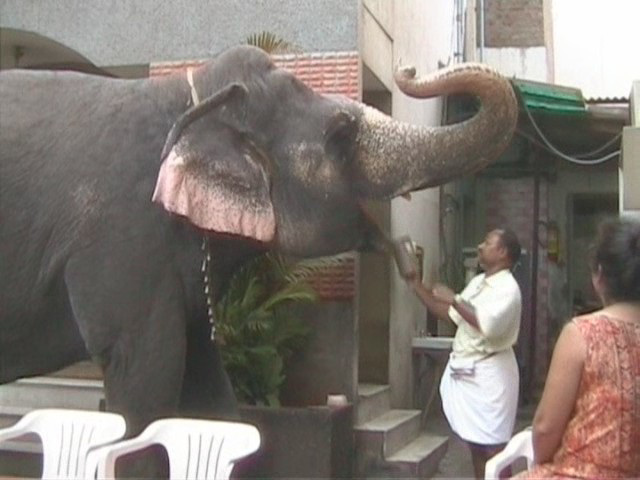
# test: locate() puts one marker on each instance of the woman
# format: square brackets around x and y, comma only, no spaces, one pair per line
[587,424]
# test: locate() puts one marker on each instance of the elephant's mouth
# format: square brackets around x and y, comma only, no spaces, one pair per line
[373,238]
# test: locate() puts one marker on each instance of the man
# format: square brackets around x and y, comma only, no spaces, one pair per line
[479,386]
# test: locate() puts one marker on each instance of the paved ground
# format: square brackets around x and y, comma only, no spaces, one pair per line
[457,461]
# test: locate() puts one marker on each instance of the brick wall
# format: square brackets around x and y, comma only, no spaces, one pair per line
[509,203]
[325,72]
[514,23]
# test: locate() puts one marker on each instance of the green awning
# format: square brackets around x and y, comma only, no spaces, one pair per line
[549,98]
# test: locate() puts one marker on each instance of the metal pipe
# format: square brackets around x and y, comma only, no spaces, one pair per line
[535,258]
[481,22]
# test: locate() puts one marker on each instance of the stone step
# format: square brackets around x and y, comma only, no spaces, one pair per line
[373,401]
[383,436]
[50,392]
[79,387]
[420,458]
[84,369]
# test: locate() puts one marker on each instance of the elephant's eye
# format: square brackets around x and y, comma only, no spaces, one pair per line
[340,137]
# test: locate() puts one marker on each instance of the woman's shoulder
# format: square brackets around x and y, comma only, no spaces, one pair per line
[598,325]
[587,317]
[589,321]
[598,317]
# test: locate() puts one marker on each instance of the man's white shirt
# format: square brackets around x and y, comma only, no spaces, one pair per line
[497,302]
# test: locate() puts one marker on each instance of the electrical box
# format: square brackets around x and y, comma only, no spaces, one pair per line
[629,171]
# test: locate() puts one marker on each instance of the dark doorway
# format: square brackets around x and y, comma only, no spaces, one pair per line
[586,211]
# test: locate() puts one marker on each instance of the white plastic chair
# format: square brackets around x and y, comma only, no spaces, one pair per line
[520,445]
[67,436]
[197,449]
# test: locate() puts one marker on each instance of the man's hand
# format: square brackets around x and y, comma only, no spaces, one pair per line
[443,293]
[413,280]
[436,305]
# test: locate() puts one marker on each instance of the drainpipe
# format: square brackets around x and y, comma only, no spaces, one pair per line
[481,22]
[534,272]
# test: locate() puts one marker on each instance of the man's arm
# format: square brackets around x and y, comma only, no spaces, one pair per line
[466,311]
[440,298]
[435,305]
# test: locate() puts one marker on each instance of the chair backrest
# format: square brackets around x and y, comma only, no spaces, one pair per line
[520,445]
[197,449]
[67,436]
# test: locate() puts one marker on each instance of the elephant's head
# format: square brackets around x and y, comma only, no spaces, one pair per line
[265,157]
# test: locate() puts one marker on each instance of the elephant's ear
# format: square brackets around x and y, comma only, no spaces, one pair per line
[213,174]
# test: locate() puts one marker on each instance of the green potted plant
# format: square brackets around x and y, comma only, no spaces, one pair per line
[257,329]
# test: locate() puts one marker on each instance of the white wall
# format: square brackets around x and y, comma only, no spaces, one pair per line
[112,33]
[423,41]
[596,45]
[525,63]
[418,33]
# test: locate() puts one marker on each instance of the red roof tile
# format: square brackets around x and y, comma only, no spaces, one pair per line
[325,72]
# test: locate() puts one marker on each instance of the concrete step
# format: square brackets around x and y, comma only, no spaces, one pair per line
[383,436]
[391,431]
[57,391]
[420,458]
[85,369]
[373,401]
[79,386]
[50,392]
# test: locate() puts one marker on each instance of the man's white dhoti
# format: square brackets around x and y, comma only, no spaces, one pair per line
[481,406]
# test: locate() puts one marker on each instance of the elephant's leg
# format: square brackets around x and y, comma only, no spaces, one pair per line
[135,328]
[144,369]
[132,319]
[207,390]
[143,379]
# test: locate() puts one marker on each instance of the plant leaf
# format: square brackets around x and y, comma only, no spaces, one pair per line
[256,328]
[271,43]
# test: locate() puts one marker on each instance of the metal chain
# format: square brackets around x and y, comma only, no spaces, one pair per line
[206,263]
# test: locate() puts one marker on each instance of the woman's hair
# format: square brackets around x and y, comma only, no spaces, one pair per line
[617,253]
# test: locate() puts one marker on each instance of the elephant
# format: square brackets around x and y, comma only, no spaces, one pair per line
[126,205]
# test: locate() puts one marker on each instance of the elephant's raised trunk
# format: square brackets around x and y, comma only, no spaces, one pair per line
[395,157]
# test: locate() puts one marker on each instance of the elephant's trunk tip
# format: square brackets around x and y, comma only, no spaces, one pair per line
[405,72]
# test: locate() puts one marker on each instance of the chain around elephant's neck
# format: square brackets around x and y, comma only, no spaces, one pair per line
[208,291]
